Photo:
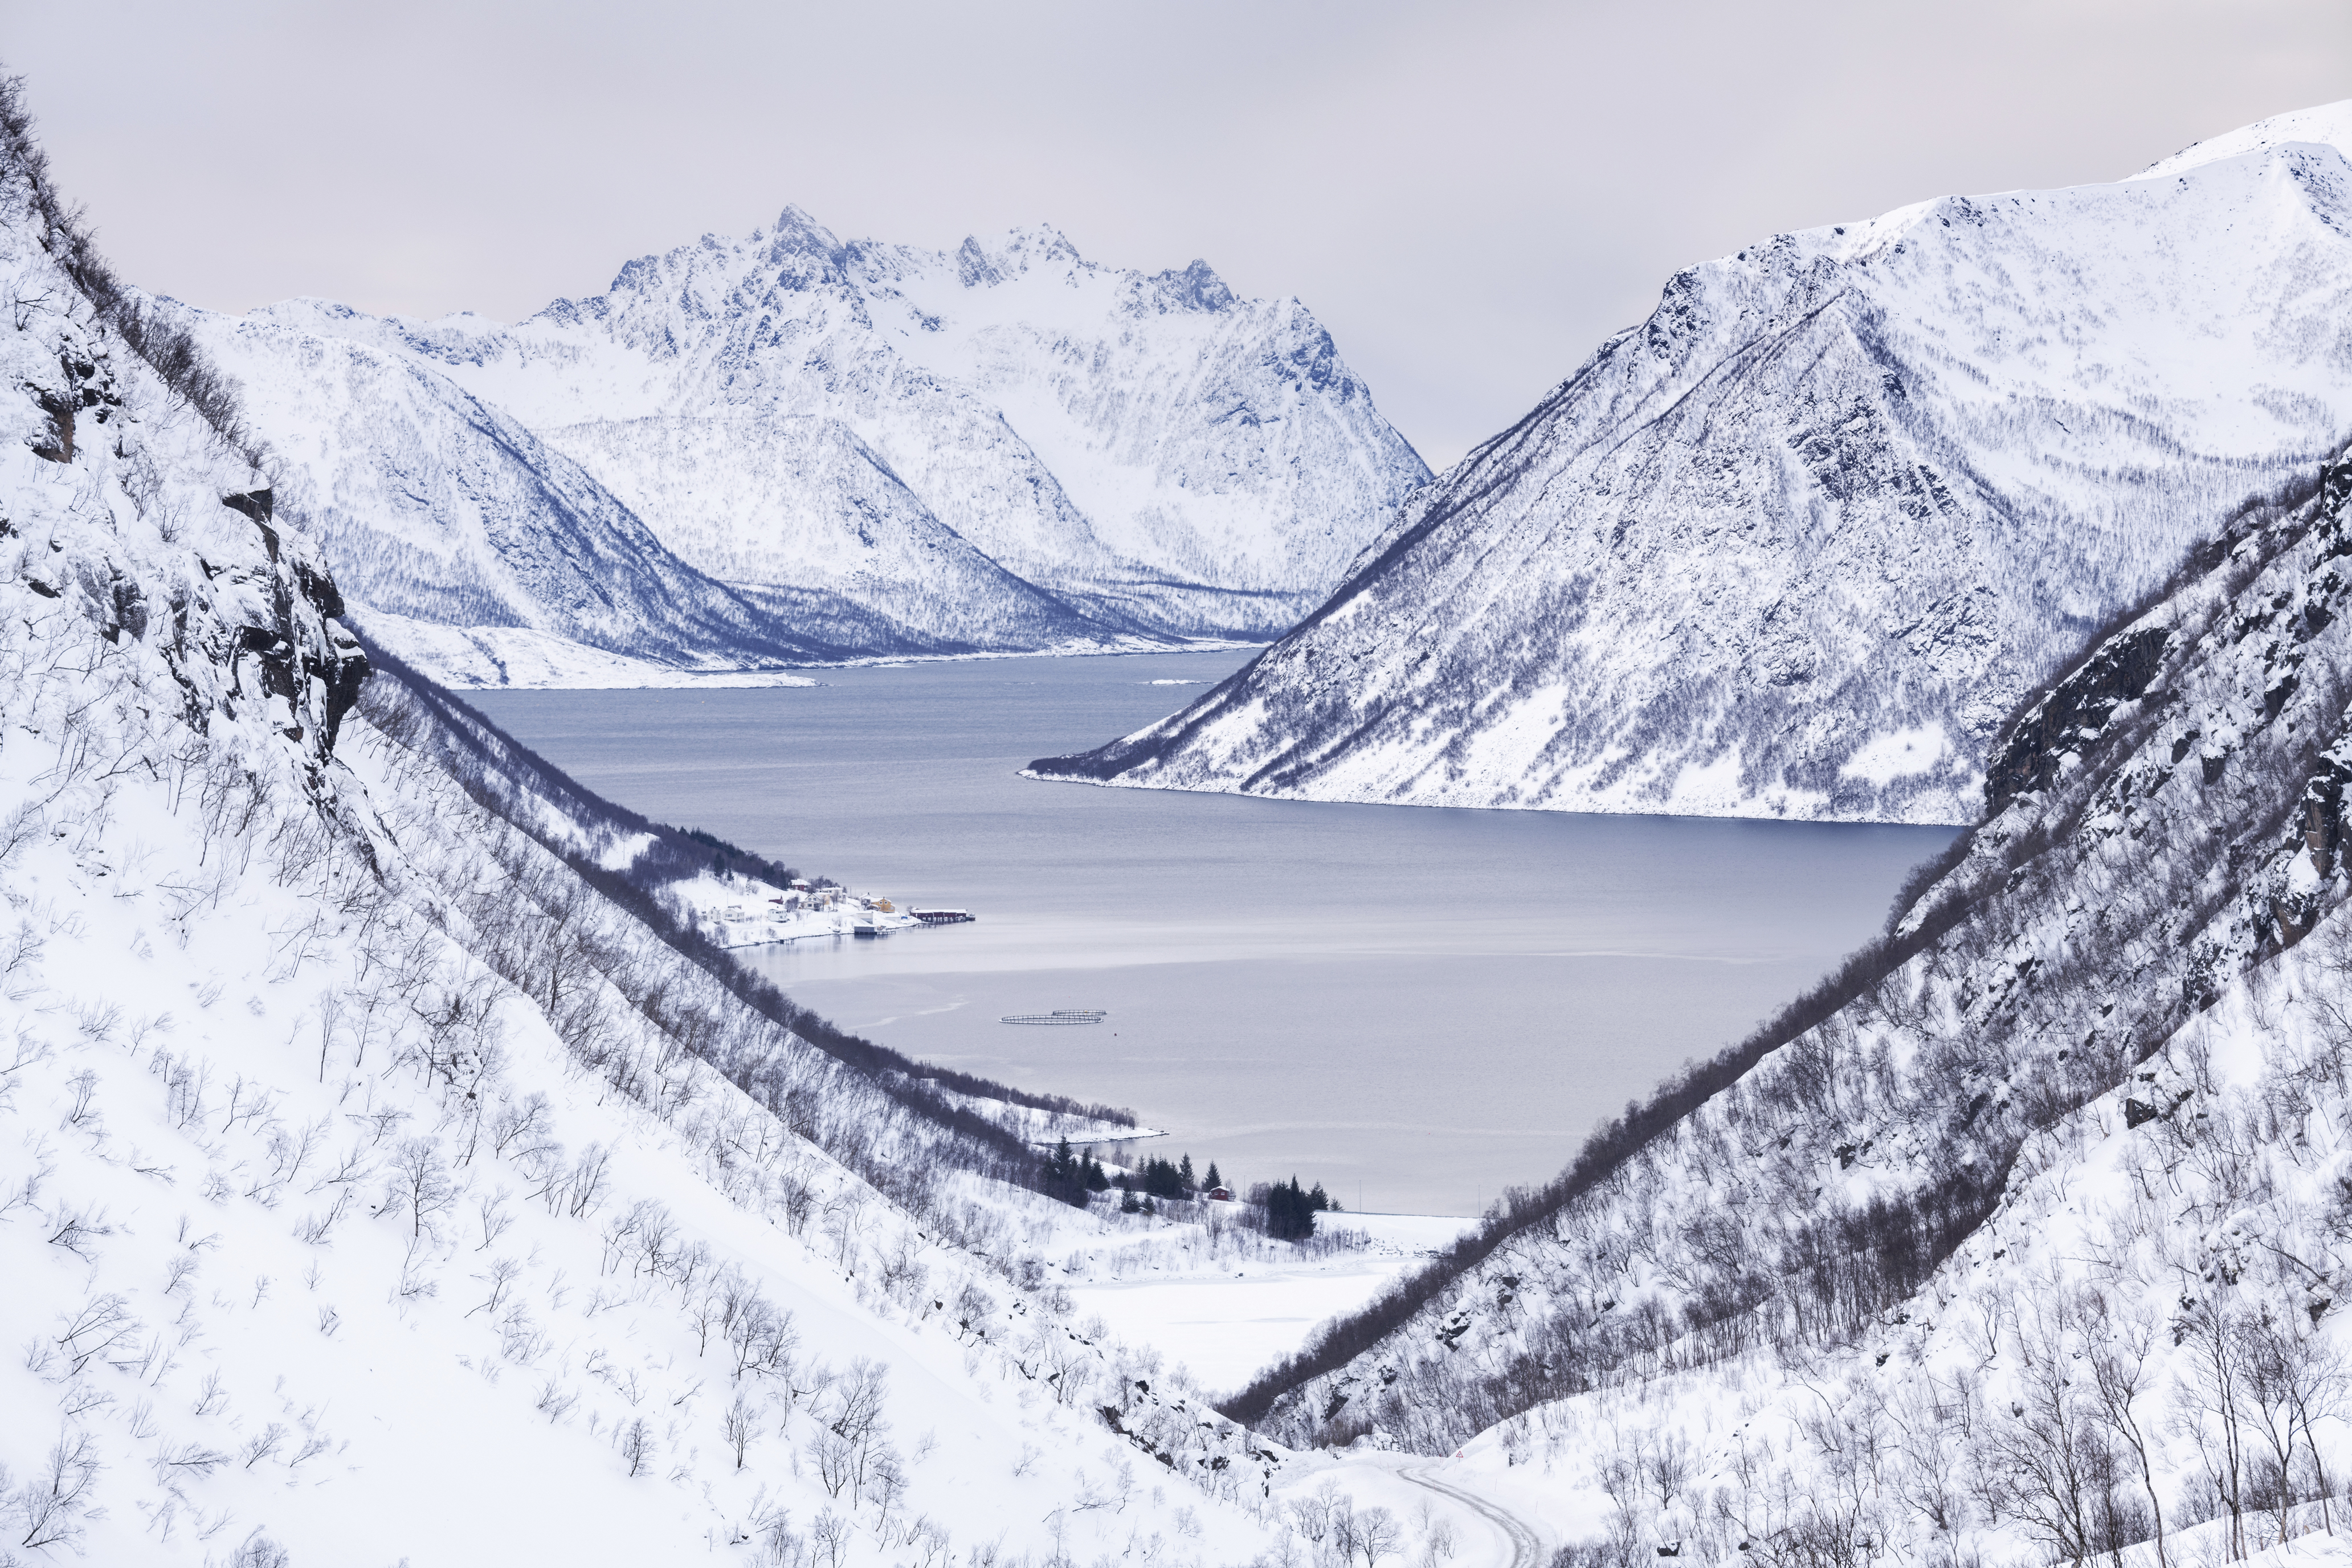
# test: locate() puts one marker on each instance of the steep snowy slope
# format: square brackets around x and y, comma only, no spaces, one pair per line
[374,1188]
[2024,1237]
[1796,544]
[881,448]
[440,508]
[437,508]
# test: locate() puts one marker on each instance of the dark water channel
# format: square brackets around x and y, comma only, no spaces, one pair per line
[1416,1007]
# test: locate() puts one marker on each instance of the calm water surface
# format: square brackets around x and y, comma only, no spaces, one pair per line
[1416,1007]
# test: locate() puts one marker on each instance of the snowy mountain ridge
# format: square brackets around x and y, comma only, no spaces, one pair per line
[840,449]
[2326,124]
[1797,544]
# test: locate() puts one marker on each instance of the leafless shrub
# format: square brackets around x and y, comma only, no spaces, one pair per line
[258,1551]
[636,1446]
[742,1422]
[264,1445]
[52,1506]
[99,1326]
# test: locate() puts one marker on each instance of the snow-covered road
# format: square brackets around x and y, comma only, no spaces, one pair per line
[1521,1547]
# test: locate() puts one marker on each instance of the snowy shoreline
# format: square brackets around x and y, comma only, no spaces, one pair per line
[514,658]
[805,925]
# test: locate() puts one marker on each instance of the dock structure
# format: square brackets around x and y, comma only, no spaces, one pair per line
[1059,1015]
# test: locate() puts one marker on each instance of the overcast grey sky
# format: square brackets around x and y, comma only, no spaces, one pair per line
[1470,196]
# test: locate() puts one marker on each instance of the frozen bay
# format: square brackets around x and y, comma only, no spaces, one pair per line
[1416,1006]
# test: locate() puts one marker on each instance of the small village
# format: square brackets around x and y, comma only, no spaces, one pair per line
[742,911]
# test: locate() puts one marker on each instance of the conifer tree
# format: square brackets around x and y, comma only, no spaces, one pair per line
[1290,1211]
[1066,1176]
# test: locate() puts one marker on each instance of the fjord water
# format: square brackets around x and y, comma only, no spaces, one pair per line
[1416,1007]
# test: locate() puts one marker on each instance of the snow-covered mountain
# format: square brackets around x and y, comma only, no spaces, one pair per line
[1798,543]
[840,448]
[2023,1238]
[380,1179]
[453,514]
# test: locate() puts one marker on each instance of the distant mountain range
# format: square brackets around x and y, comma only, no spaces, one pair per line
[1798,543]
[787,448]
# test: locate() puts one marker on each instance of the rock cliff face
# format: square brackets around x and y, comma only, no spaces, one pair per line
[787,447]
[126,515]
[1799,542]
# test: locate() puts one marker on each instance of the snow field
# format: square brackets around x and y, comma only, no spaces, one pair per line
[1223,1326]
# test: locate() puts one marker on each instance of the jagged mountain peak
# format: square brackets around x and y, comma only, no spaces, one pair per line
[1014,253]
[838,446]
[1193,288]
[797,220]
[794,238]
[718,275]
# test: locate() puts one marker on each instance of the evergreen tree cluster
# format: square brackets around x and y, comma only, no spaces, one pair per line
[1290,1209]
[1157,1178]
[1075,1178]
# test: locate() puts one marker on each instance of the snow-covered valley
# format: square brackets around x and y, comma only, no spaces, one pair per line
[397,1164]
[788,449]
[1798,545]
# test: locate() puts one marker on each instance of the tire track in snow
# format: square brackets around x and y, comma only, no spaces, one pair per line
[1526,1548]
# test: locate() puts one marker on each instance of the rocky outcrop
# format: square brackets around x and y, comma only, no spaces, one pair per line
[2051,734]
[307,661]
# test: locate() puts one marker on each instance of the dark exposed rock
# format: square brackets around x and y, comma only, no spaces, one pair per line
[59,446]
[2078,709]
[289,659]
[258,505]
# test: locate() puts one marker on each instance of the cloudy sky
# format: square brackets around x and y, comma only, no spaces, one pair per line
[1471,196]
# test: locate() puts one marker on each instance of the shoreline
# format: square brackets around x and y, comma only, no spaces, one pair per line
[458,657]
